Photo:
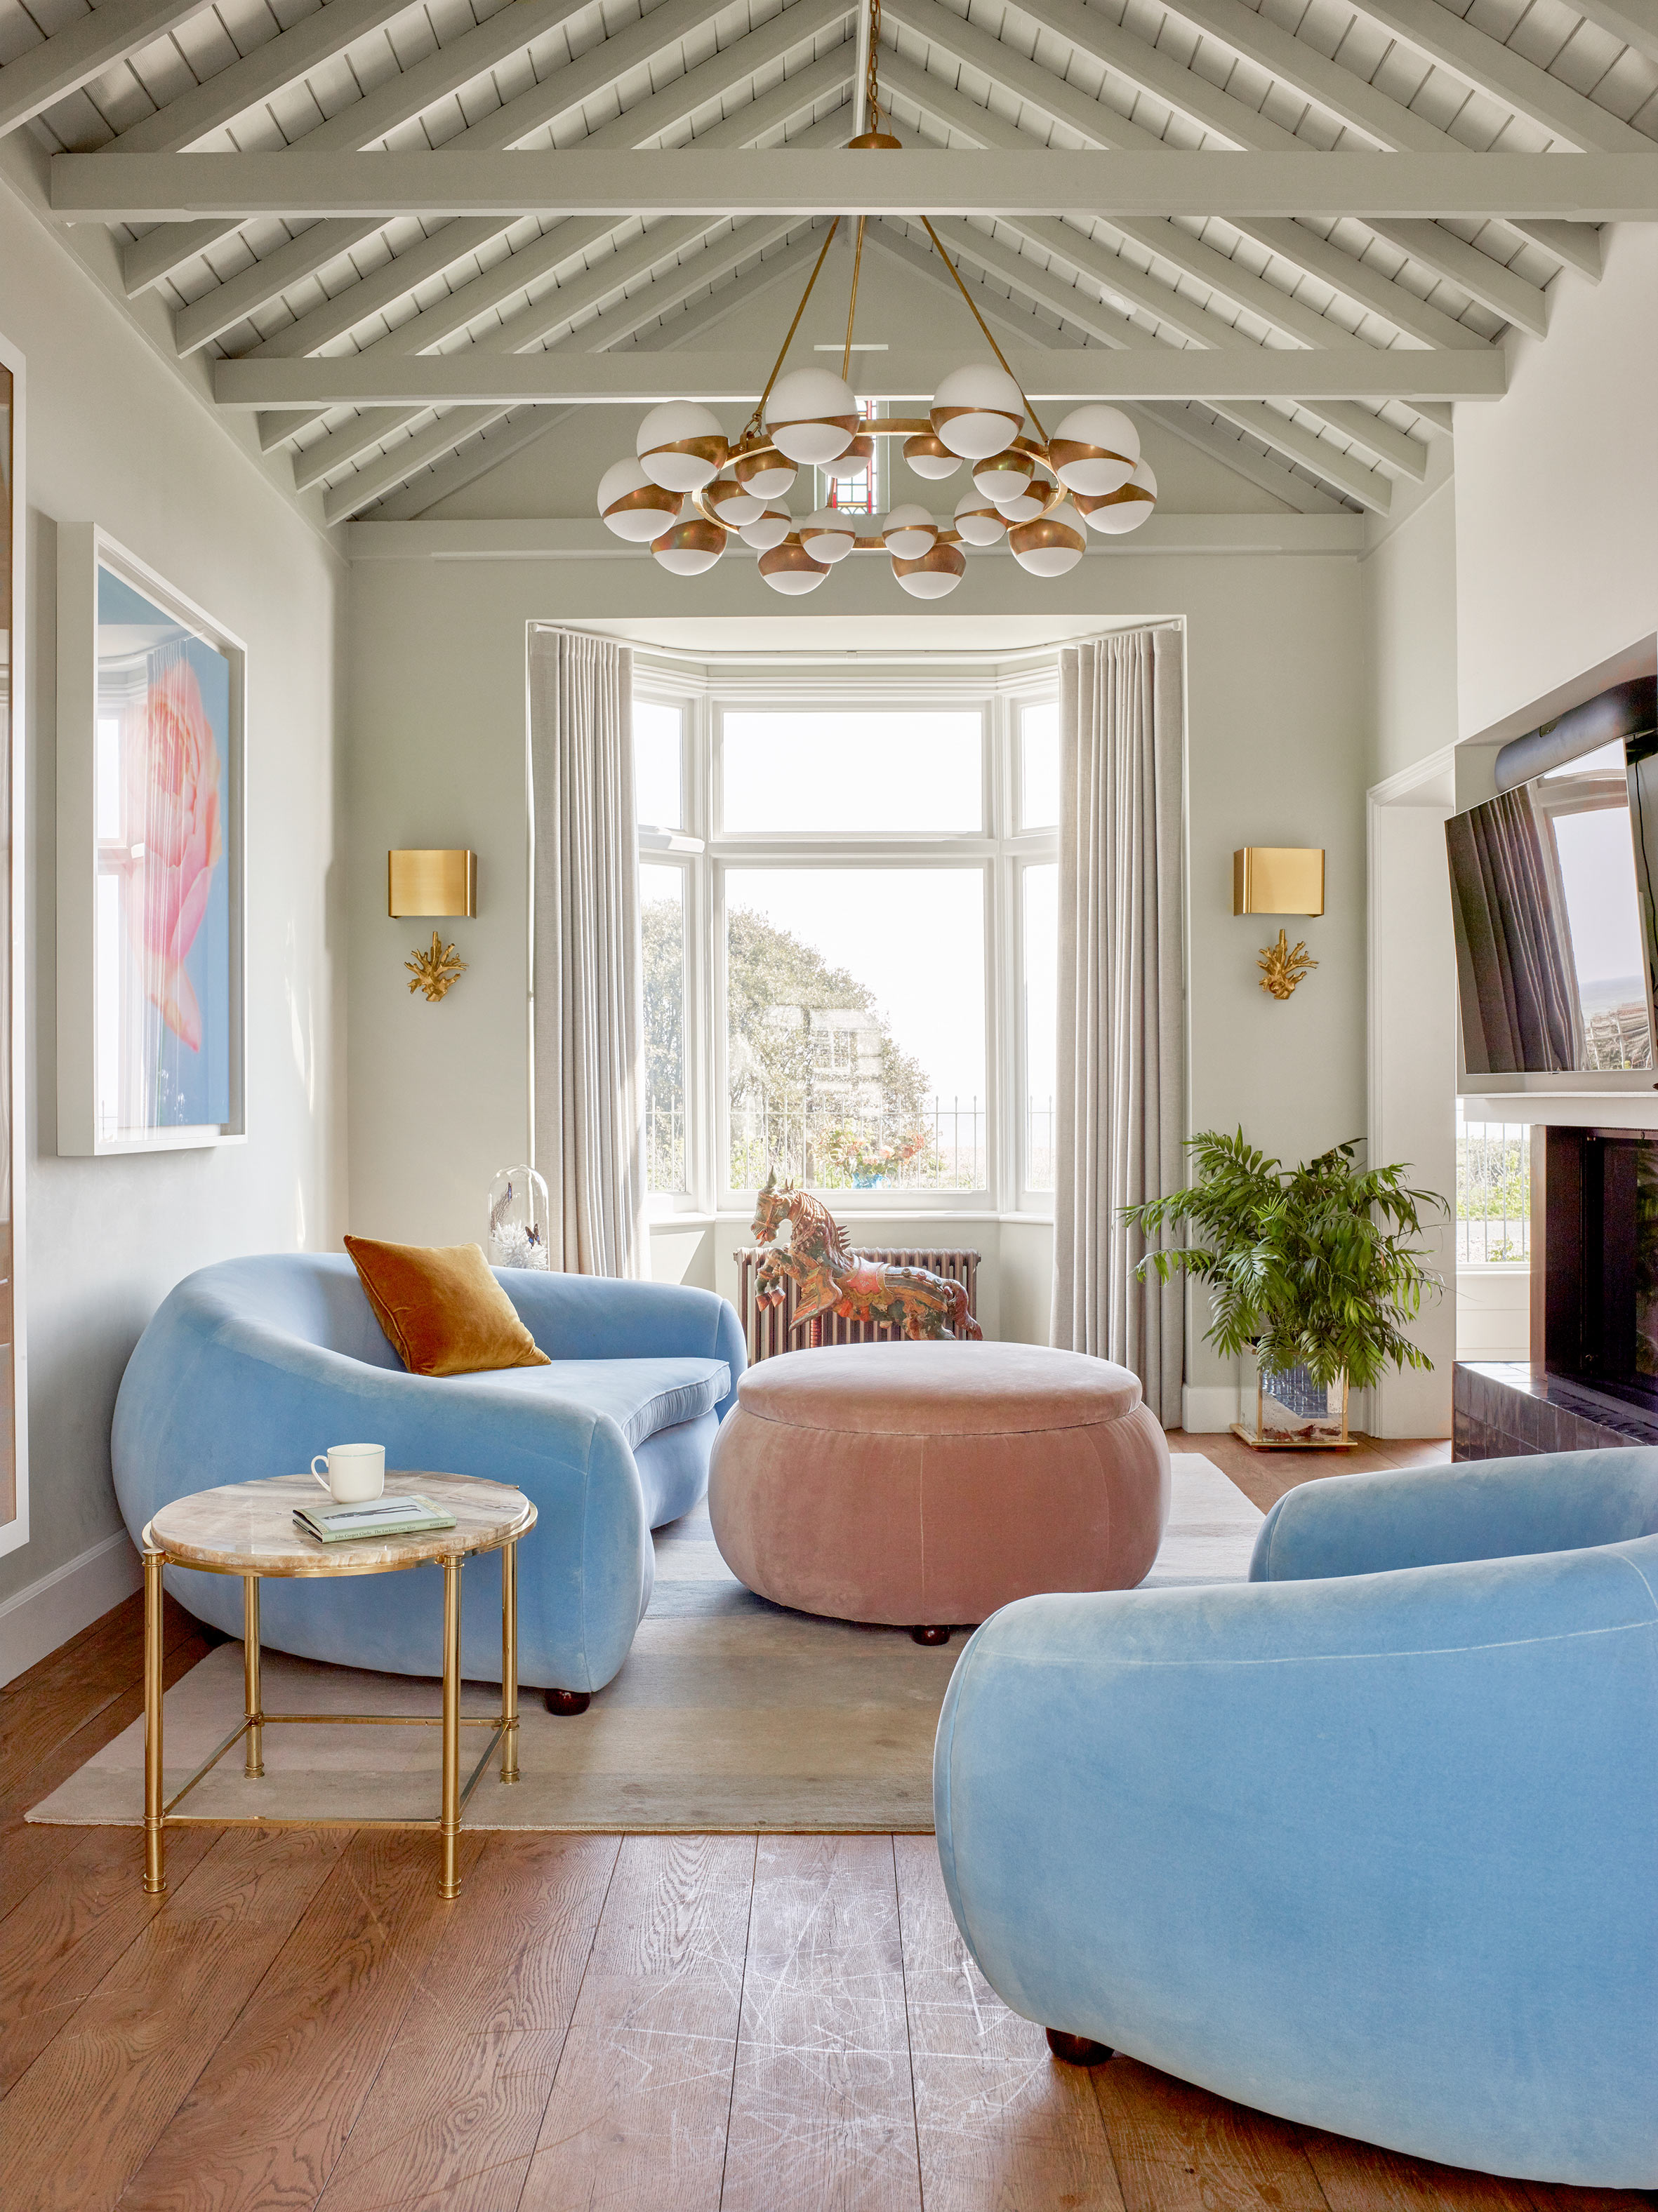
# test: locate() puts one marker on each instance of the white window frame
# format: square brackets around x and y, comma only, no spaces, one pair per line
[1002,848]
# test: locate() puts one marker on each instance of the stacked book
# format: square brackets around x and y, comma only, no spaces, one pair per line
[379,1517]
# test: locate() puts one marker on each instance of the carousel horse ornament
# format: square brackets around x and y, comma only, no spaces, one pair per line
[830,1277]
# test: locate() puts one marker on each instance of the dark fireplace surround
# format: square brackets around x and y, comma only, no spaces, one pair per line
[1593,1378]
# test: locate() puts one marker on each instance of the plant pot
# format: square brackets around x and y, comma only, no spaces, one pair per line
[1295,1414]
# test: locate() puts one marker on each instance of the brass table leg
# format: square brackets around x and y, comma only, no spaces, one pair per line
[250,1669]
[155,1843]
[510,1663]
[448,1879]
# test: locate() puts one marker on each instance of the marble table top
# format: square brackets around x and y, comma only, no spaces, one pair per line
[248,1528]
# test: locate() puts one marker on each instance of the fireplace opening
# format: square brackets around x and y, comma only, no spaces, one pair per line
[1600,1197]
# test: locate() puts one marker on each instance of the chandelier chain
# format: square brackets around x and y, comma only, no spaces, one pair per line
[872,74]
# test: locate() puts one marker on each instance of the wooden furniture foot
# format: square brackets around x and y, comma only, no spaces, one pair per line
[1076,2049]
[930,1635]
[568,1702]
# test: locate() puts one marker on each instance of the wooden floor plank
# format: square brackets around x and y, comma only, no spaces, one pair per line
[823,2109]
[999,2122]
[267,2117]
[1264,1476]
[452,2116]
[1179,2149]
[1358,2177]
[29,1851]
[88,2110]
[70,1930]
[637,2120]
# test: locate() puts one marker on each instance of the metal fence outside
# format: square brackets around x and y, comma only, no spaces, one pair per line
[828,1143]
[1493,1192]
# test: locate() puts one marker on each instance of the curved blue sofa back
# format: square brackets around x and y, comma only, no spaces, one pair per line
[250,1366]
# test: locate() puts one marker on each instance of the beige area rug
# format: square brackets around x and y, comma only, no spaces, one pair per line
[731,1714]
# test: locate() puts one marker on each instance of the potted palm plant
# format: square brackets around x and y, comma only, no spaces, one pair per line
[1316,1269]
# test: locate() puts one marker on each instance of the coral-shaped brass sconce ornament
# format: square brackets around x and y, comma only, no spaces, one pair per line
[1283,966]
[435,971]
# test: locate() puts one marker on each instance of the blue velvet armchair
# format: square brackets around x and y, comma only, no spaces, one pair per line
[252,1366]
[1370,1841]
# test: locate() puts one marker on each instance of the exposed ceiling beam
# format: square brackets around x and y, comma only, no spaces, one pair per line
[177,187]
[381,287]
[1377,437]
[1276,307]
[1481,277]
[257,76]
[1101,126]
[84,50]
[1578,244]
[519,428]
[1635,22]
[1345,470]
[1223,442]
[1361,282]
[1487,66]
[461,425]
[470,376]
[629,314]
[243,295]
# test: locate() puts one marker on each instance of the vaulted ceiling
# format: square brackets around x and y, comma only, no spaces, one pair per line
[412,236]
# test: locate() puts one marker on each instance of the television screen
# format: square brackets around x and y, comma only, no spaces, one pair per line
[1552,906]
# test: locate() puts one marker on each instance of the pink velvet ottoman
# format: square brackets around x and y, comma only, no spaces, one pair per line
[925,1484]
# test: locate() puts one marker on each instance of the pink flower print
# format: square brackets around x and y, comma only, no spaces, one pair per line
[173,807]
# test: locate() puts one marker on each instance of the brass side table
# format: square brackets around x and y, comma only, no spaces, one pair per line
[247,1528]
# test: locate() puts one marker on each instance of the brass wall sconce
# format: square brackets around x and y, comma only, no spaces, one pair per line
[1279,879]
[424,882]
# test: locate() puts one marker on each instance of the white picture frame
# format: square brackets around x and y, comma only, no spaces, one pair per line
[151,859]
[14,1157]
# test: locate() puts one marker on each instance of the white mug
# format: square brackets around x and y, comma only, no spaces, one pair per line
[355,1473]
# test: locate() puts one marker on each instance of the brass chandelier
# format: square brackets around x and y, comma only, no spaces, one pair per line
[687,487]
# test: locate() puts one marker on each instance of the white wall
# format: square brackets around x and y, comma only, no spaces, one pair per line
[1275,666]
[1557,494]
[113,437]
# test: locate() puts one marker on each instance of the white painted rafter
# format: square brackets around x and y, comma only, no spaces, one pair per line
[43,75]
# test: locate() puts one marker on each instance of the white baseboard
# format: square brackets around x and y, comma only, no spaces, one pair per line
[36,1620]
[1208,1409]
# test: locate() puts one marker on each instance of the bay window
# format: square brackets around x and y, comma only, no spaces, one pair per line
[849,905]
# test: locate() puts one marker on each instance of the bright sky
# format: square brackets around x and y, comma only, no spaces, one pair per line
[914,935]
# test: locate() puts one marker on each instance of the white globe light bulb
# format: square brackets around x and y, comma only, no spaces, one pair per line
[812,415]
[976,521]
[829,535]
[689,547]
[976,410]
[1050,546]
[1119,511]
[908,532]
[936,574]
[790,569]
[632,507]
[681,446]
[769,528]
[1095,449]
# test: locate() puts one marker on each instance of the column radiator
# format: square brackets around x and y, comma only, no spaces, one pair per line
[767,1329]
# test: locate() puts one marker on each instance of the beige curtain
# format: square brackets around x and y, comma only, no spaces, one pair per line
[1122,1017]
[588,1056]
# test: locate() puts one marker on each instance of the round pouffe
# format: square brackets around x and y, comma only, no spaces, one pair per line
[930,1483]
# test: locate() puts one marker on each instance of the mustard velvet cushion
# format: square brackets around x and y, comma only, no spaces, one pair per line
[442,1309]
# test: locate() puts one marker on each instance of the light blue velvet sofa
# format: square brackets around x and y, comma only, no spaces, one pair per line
[1370,1841]
[252,1366]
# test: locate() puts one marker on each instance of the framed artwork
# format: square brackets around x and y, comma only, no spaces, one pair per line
[13,540]
[151,1027]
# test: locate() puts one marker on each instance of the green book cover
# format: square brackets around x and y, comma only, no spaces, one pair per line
[378,1516]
